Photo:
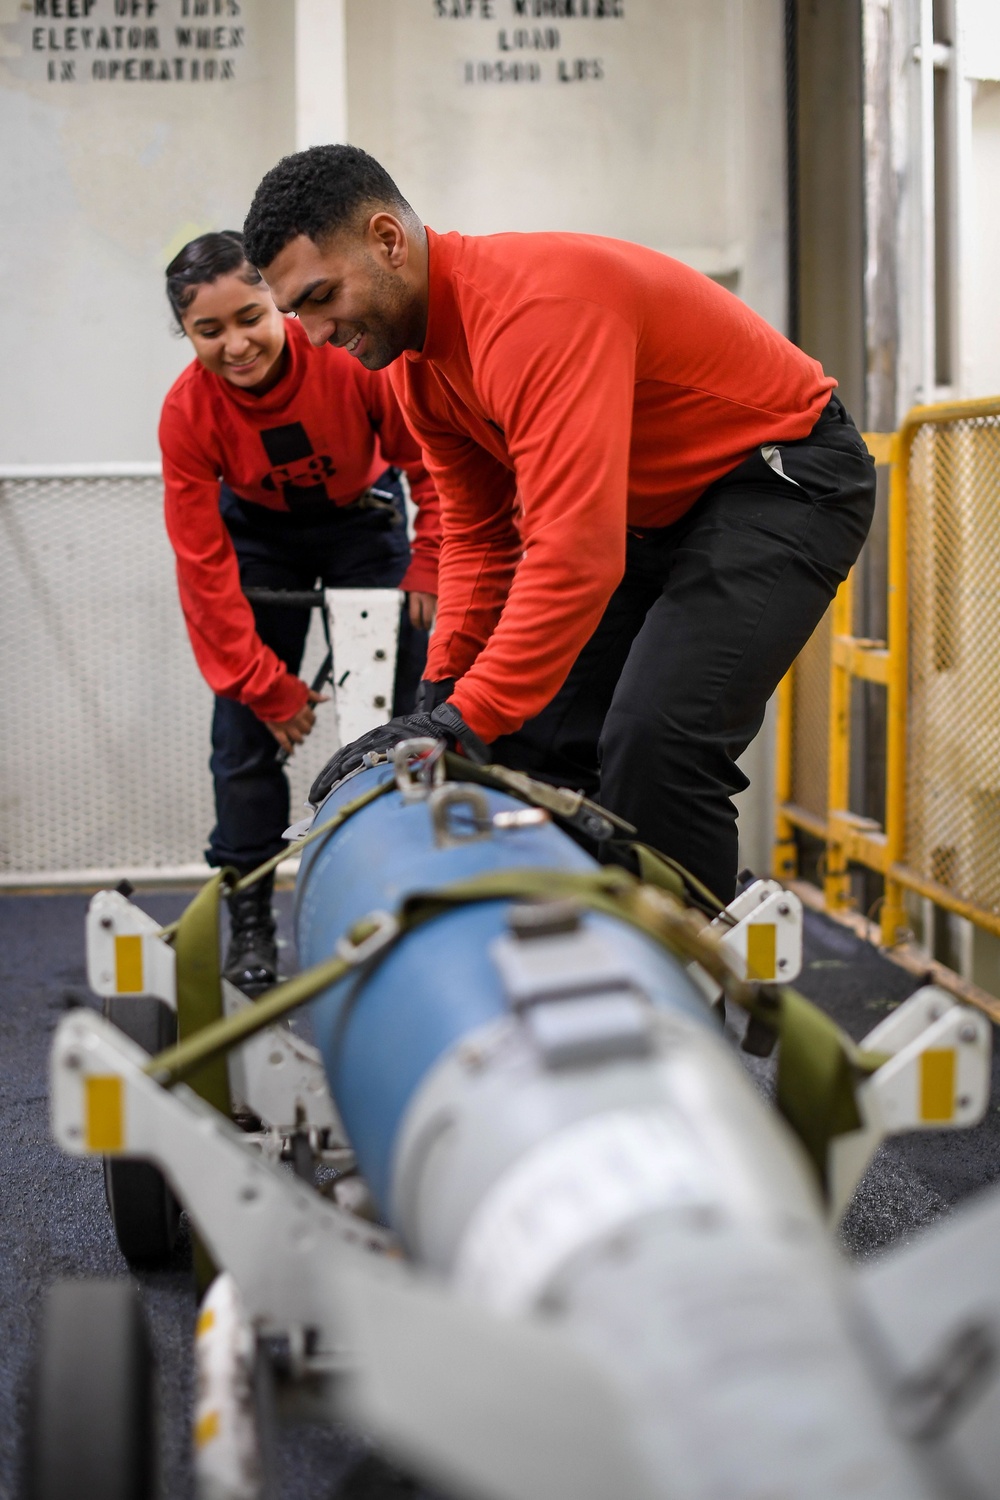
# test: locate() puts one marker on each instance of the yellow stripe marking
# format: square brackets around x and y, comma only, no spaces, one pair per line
[206,1320]
[206,1428]
[937,1084]
[762,950]
[128,963]
[105,1113]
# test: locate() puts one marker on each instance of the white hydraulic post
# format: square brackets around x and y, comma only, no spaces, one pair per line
[364,629]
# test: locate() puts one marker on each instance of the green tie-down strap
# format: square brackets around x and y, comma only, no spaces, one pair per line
[182,1063]
[612,891]
[818,1064]
[244,882]
[572,809]
[666,873]
[199,984]
[819,1068]
[196,934]
[195,937]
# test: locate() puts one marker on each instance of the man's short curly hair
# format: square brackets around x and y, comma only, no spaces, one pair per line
[315,192]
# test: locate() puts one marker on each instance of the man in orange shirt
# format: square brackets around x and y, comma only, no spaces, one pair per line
[648,495]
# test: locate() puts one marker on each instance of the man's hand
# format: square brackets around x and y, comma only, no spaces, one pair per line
[291,732]
[423,608]
[445,723]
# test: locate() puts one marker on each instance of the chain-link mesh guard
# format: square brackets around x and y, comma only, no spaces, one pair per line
[953,744]
[104,755]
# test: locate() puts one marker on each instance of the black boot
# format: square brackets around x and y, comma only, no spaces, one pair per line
[252,957]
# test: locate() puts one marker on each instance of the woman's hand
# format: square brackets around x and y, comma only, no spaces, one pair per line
[291,732]
[422,608]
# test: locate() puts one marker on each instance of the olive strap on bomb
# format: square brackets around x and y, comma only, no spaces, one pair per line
[818,1064]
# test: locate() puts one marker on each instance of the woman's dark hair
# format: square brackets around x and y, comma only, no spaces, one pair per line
[206,259]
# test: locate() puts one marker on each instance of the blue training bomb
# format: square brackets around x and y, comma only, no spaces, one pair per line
[545,1111]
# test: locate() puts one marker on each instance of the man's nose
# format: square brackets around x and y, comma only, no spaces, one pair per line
[319,330]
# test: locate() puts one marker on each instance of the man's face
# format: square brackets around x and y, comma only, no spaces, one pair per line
[352,291]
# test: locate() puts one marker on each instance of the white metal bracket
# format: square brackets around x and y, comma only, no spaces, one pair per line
[937,1077]
[280,1077]
[276,1075]
[282,1241]
[765,944]
[408,1354]
[125,953]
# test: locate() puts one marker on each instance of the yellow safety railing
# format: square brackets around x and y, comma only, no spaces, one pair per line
[940,669]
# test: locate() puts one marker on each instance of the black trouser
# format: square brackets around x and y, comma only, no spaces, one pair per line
[673,684]
[343,548]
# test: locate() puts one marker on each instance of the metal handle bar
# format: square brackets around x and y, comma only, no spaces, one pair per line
[291,598]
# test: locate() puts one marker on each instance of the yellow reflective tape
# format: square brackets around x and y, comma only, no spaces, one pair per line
[206,1320]
[762,951]
[937,1084]
[206,1428]
[128,963]
[105,1123]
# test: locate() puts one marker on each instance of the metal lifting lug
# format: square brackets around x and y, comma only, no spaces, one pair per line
[419,766]
[377,931]
[301,828]
[525,817]
[451,831]
[543,919]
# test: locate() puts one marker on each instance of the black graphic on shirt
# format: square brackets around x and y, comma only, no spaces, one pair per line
[298,472]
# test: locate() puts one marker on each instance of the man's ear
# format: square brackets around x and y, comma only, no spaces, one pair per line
[391,239]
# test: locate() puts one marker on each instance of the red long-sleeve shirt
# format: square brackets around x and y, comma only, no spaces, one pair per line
[326,431]
[569,387]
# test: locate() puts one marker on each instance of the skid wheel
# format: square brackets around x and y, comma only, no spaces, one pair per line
[374,1478]
[91,1428]
[144,1211]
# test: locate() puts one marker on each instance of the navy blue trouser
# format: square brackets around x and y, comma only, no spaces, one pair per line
[344,548]
[672,686]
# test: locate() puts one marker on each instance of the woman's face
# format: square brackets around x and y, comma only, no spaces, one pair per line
[237,332]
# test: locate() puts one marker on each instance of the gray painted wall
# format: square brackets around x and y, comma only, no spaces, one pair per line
[101,180]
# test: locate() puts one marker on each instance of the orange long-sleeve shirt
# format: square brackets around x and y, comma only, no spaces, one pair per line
[570,387]
[325,432]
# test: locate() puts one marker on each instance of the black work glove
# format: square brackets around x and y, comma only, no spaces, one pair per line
[430,694]
[444,723]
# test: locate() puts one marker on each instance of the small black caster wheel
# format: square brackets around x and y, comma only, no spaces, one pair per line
[145,1214]
[91,1427]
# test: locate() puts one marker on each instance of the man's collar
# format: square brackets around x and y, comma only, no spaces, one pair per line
[443,317]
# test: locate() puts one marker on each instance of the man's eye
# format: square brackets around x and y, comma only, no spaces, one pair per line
[318,301]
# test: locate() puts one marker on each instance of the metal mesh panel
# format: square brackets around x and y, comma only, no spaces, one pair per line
[953,759]
[104,756]
[810,720]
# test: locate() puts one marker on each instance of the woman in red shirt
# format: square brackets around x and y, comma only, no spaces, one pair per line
[271,452]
